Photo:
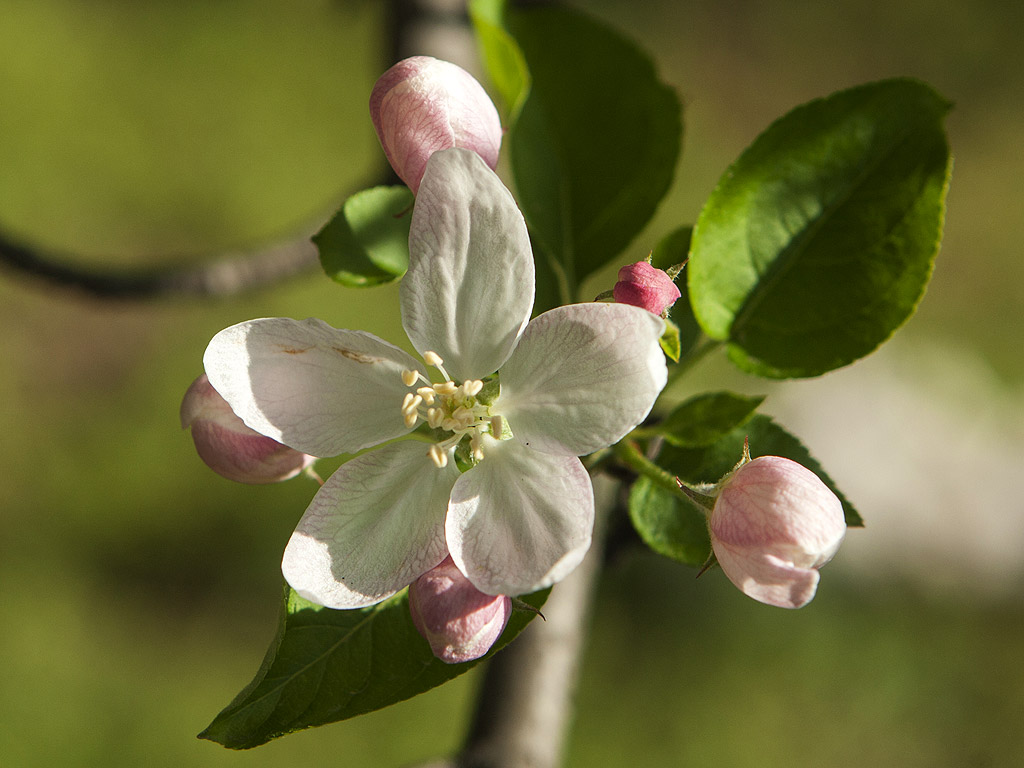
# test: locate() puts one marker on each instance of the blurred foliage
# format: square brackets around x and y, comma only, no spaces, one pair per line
[141,590]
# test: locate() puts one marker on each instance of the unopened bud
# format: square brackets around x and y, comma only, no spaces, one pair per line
[645,286]
[460,622]
[773,525]
[230,448]
[422,105]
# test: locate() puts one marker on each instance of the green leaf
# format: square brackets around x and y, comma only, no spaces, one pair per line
[594,146]
[818,242]
[671,251]
[705,419]
[709,463]
[367,241]
[327,665]
[668,523]
[501,56]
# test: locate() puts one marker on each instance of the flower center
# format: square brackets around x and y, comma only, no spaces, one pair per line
[448,407]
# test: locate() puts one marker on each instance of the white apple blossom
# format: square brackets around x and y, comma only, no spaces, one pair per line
[517,402]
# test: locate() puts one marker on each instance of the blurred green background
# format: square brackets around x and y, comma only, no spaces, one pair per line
[140,590]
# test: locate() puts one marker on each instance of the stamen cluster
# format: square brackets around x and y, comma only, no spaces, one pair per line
[450,407]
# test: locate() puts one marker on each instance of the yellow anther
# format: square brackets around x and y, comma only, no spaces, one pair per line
[434,417]
[476,446]
[463,417]
[438,455]
[410,409]
[497,427]
[449,407]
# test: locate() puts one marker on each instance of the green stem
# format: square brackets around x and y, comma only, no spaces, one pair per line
[629,453]
[646,433]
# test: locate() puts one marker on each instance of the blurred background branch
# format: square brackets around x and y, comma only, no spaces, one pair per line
[434,27]
[223,276]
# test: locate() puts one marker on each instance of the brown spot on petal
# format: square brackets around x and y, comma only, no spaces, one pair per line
[358,357]
[293,350]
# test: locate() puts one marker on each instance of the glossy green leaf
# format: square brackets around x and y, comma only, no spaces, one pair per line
[819,241]
[709,463]
[327,665]
[594,146]
[502,57]
[705,419]
[668,523]
[367,241]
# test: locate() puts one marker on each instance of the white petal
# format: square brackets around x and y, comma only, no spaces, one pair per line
[229,447]
[520,520]
[582,377]
[469,289]
[767,578]
[314,388]
[375,526]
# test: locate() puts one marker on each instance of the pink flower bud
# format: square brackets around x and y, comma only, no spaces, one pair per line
[459,621]
[422,105]
[773,525]
[645,286]
[229,447]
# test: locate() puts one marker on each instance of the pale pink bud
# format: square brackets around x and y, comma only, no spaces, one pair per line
[459,621]
[229,447]
[645,286]
[422,105]
[773,525]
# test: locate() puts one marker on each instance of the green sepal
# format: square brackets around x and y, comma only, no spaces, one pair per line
[367,241]
[670,343]
[518,604]
[703,497]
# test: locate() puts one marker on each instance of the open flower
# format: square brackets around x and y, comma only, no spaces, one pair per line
[571,381]
[773,525]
